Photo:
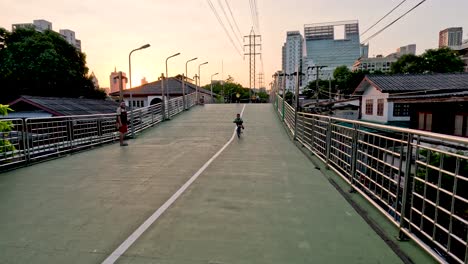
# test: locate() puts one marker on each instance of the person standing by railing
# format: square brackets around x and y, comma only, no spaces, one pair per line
[122,122]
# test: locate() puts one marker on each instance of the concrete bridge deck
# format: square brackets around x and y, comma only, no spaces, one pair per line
[260,201]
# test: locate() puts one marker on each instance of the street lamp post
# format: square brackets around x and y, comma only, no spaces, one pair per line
[167,86]
[183,82]
[212,100]
[199,79]
[130,77]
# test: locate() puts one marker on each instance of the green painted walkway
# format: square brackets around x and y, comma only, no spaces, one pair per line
[260,201]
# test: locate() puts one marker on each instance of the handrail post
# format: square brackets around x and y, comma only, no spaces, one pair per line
[296,108]
[26,141]
[141,118]
[354,152]
[328,140]
[70,132]
[408,182]
[283,109]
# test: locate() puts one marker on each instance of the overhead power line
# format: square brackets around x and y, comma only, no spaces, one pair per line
[223,26]
[229,22]
[391,11]
[256,15]
[393,22]
[233,19]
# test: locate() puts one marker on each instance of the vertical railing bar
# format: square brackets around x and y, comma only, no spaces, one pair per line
[452,206]
[439,184]
[406,192]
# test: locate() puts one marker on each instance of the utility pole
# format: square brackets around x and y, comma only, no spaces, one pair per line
[318,67]
[252,53]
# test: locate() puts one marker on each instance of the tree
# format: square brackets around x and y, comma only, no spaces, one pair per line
[264,97]
[229,89]
[408,64]
[42,64]
[443,60]
[348,80]
[341,74]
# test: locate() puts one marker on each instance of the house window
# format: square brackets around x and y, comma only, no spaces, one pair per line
[369,106]
[401,110]
[380,107]
[425,121]
[461,125]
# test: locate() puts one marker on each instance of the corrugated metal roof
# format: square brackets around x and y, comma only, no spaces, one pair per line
[69,106]
[428,96]
[417,82]
[174,86]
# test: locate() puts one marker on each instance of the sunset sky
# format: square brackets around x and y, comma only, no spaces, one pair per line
[109,30]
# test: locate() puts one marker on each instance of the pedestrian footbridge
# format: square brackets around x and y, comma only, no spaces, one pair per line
[187,191]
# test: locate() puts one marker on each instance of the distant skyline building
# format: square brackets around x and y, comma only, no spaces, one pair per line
[408,49]
[379,63]
[364,50]
[333,44]
[292,55]
[114,81]
[451,37]
[94,80]
[42,25]
[69,36]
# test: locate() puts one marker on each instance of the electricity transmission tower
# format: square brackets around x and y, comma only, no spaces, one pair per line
[251,47]
[260,80]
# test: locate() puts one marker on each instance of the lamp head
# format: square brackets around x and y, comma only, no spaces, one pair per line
[145,46]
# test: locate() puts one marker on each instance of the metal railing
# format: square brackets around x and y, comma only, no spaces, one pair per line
[417,179]
[33,139]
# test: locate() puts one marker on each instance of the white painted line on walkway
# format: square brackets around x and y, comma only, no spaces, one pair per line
[143,227]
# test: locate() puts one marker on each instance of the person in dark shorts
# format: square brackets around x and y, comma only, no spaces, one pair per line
[122,122]
[239,123]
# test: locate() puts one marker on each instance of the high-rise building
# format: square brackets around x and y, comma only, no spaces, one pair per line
[364,50]
[94,80]
[40,25]
[332,45]
[114,81]
[292,55]
[405,50]
[451,37]
[69,36]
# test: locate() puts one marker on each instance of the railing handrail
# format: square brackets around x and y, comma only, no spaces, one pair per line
[455,139]
[36,138]
[400,171]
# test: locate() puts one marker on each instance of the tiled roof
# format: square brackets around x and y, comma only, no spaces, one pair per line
[417,82]
[174,86]
[68,106]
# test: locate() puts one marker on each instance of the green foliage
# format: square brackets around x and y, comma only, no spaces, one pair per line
[263,96]
[348,80]
[408,64]
[42,64]
[443,60]
[229,89]
[5,127]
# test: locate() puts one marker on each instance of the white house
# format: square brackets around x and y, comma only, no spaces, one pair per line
[382,95]
[150,93]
